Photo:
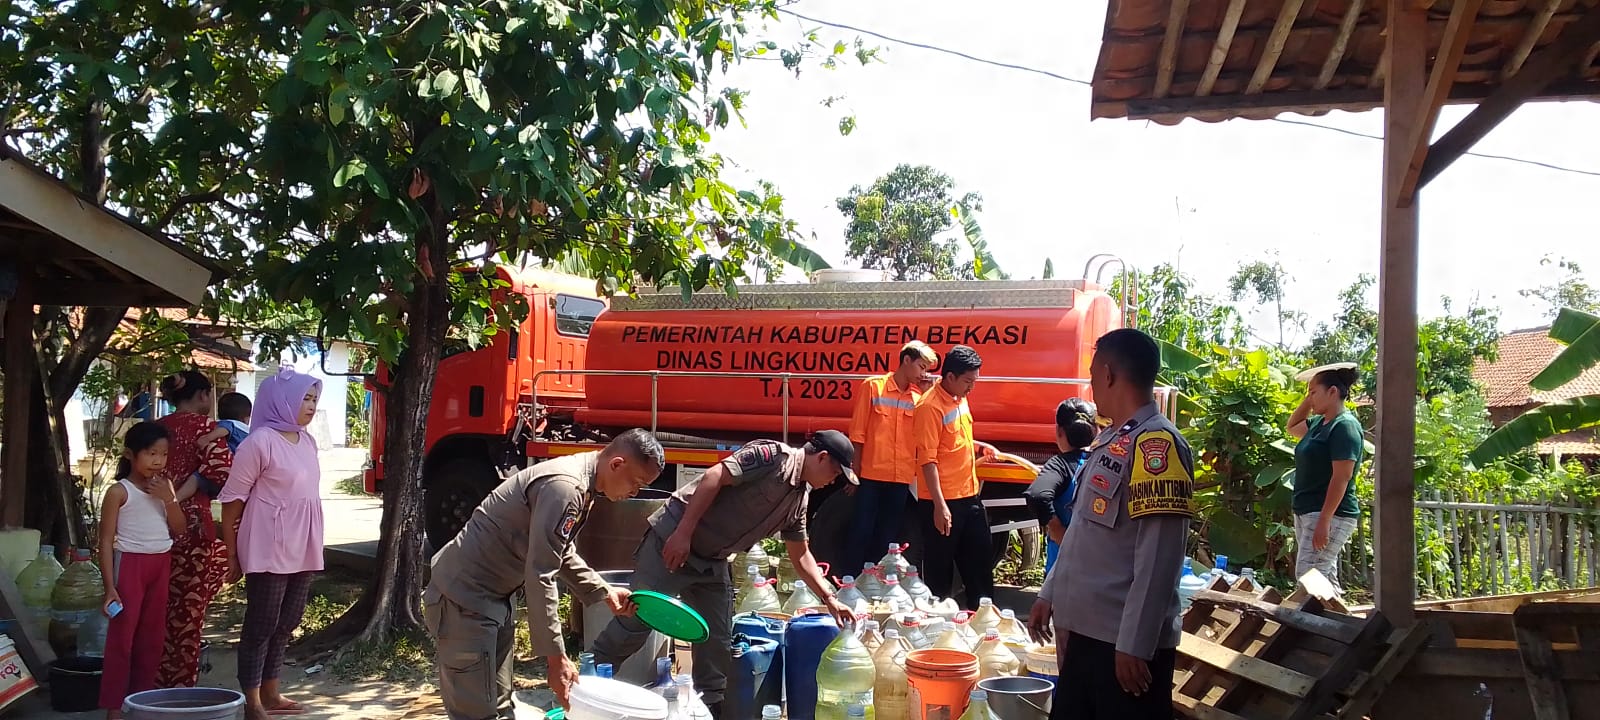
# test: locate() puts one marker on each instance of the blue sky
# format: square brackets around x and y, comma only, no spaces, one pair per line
[1207,196]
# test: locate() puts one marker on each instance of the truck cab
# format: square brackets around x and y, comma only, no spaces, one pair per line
[481,412]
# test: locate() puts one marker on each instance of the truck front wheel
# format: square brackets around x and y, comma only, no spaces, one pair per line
[453,489]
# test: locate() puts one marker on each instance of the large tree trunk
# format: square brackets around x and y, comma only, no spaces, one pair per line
[392,605]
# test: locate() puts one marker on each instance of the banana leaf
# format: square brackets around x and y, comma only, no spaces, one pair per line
[1180,361]
[983,262]
[1570,324]
[1581,354]
[1543,422]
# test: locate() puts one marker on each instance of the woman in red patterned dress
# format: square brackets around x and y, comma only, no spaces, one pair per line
[198,465]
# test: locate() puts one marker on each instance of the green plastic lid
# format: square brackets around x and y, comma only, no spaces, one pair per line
[669,616]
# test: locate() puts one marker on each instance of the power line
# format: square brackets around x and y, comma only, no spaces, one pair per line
[937,49]
[1086,83]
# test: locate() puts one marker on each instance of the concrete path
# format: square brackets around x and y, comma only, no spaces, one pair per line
[350,522]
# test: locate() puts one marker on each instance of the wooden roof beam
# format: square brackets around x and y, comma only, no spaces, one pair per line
[1311,101]
[1219,50]
[1177,17]
[1440,81]
[1341,43]
[1274,49]
[1530,38]
[1542,69]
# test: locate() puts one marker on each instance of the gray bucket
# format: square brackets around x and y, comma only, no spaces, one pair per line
[1019,698]
[184,704]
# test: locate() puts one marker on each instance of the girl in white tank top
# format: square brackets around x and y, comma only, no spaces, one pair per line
[138,518]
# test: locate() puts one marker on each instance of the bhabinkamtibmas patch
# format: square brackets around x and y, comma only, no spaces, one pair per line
[1158,483]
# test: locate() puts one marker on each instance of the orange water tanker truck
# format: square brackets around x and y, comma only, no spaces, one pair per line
[713,370]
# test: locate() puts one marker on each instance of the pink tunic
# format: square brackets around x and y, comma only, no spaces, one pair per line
[280,484]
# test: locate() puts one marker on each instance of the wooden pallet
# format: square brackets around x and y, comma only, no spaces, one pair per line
[1247,654]
[1538,628]
[1531,656]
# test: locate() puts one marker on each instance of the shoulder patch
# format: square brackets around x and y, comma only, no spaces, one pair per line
[567,526]
[1158,483]
[757,455]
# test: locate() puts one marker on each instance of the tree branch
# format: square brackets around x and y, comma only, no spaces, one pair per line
[212,195]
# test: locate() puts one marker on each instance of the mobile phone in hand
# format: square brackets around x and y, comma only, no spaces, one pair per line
[114,609]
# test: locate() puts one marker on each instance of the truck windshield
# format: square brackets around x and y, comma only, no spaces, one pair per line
[575,315]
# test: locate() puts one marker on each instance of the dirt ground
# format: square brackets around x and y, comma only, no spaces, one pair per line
[388,684]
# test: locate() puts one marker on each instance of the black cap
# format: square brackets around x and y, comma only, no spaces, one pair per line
[838,447]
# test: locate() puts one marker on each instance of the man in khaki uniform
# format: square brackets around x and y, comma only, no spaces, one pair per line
[759,490]
[521,537]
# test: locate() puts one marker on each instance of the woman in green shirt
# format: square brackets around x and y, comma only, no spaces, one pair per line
[1325,461]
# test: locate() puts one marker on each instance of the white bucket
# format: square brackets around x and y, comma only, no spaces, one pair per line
[1041,662]
[597,698]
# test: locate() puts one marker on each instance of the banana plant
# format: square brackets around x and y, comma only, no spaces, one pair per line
[1580,332]
[984,266]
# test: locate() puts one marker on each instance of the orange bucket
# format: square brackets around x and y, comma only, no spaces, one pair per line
[941,682]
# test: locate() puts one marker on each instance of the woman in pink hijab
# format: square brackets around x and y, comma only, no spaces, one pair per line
[272,524]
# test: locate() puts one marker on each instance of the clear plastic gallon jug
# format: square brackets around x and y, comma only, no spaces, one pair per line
[953,639]
[37,582]
[849,595]
[845,677]
[914,586]
[758,557]
[891,692]
[872,636]
[987,618]
[1010,626]
[895,596]
[869,582]
[994,658]
[801,597]
[747,579]
[894,561]
[977,706]
[762,598]
[79,593]
[911,632]
[1188,585]
[92,635]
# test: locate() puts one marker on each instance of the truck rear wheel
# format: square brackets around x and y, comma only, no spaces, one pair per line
[453,490]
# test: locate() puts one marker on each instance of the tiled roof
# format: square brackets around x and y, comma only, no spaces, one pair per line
[1522,355]
[1568,448]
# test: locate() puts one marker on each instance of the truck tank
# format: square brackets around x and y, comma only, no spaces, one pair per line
[710,348]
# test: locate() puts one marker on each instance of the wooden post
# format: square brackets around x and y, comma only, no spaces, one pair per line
[19,400]
[1394,527]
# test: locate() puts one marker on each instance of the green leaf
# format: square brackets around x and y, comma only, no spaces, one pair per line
[476,92]
[375,179]
[1541,423]
[336,105]
[363,111]
[1571,324]
[444,84]
[1272,475]
[513,24]
[1579,356]
[628,59]
[1234,536]
[355,168]
[1173,358]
